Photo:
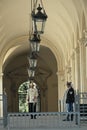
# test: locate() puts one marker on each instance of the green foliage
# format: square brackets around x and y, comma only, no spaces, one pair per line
[22,91]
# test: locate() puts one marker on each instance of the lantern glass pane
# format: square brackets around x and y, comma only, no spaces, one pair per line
[35,46]
[38,48]
[31,73]
[33,62]
[39,26]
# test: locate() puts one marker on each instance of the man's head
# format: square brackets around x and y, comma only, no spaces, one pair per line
[34,84]
[31,85]
[69,84]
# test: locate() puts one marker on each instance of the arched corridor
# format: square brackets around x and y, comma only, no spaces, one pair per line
[63,50]
[15,73]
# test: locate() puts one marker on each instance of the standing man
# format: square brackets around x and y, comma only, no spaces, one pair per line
[70,99]
[32,95]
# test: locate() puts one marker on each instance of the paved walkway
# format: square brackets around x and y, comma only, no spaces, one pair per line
[77,128]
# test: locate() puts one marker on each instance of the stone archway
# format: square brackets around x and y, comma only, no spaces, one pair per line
[15,73]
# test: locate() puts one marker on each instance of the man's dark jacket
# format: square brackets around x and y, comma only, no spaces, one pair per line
[70,98]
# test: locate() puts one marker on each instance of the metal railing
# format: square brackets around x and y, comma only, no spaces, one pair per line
[3,101]
[46,119]
[82,96]
[42,120]
[80,106]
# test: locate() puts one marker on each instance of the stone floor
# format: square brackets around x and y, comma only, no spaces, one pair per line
[79,128]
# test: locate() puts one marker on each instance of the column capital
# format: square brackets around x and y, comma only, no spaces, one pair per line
[73,56]
[83,39]
[1,74]
[68,69]
[77,49]
[60,72]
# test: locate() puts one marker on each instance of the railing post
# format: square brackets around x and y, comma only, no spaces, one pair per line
[77,108]
[5,110]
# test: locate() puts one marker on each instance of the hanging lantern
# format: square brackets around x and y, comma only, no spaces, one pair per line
[32,61]
[37,24]
[31,73]
[39,18]
[35,42]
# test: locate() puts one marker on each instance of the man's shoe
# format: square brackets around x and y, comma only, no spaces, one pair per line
[66,120]
[31,116]
[35,117]
[71,117]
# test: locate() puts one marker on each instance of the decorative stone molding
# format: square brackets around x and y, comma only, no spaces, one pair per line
[68,69]
[61,74]
[83,40]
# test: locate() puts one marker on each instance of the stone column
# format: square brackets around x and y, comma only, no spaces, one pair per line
[61,88]
[69,73]
[82,67]
[77,68]
[61,82]
[86,62]
[73,68]
[1,93]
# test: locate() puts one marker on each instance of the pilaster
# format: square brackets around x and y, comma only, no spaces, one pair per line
[1,93]
[77,67]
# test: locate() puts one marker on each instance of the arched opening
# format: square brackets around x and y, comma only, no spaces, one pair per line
[15,73]
[22,92]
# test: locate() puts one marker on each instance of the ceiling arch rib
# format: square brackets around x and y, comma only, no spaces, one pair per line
[68,12]
[59,29]
[60,40]
[64,32]
[78,9]
[85,12]
[58,44]
[15,16]
[66,18]
[58,52]
[83,25]
[2,38]
[15,47]
[58,32]
[72,11]
[9,53]
[74,19]
[62,11]
[82,13]
[59,10]
[84,6]
[2,34]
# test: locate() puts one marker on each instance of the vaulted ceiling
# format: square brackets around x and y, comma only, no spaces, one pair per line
[65,24]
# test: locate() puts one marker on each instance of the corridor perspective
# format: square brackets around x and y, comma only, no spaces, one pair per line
[62,56]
